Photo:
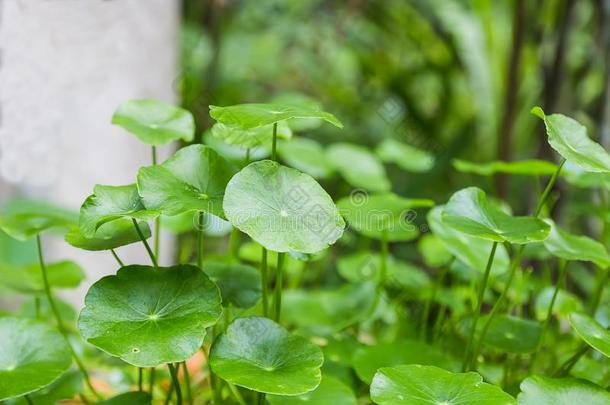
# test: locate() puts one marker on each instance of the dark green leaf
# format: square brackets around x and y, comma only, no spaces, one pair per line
[110,235]
[25,225]
[239,284]
[330,392]
[129,398]
[507,333]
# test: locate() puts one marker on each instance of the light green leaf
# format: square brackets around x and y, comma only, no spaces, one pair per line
[507,333]
[129,398]
[261,355]
[28,279]
[376,214]
[416,385]
[578,177]
[194,179]
[358,166]
[25,225]
[569,138]
[249,116]
[307,156]
[532,167]
[239,284]
[565,303]
[64,388]
[568,246]
[330,392]
[433,250]
[32,356]
[537,390]
[110,203]
[323,312]
[155,122]
[364,266]
[470,250]
[250,138]
[367,360]
[282,208]
[300,100]
[149,316]
[468,211]
[110,235]
[591,332]
[405,156]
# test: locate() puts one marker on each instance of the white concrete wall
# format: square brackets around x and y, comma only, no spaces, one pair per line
[65,66]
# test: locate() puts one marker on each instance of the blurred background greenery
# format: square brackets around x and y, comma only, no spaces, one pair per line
[454,78]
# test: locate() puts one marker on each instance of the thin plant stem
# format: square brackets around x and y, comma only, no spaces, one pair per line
[261,398]
[151,380]
[60,324]
[265,283]
[233,243]
[200,240]
[140,379]
[37,306]
[238,397]
[561,279]
[174,373]
[28,400]
[158,219]
[187,382]
[548,188]
[279,281]
[438,324]
[565,368]
[477,312]
[170,392]
[153,259]
[383,260]
[274,144]
[599,290]
[428,304]
[117,258]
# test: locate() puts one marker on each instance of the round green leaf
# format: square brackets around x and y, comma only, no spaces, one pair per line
[28,279]
[591,332]
[569,138]
[386,213]
[155,122]
[468,211]
[129,398]
[330,392]
[532,167]
[537,390]
[32,356]
[470,250]
[358,166]
[363,266]
[282,208]
[573,247]
[249,116]
[194,179]
[110,203]
[250,138]
[323,312]
[367,360]
[405,156]
[25,225]
[261,355]
[433,250]
[300,100]
[150,316]
[239,284]
[507,333]
[110,235]
[416,385]
[307,156]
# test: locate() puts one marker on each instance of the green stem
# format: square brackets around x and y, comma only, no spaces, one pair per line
[28,400]
[261,398]
[117,258]
[561,279]
[146,245]
[565,368]
[238,397]
[174,373]
[151,380]
[497,305]
[170,393]
[274,144]
[187,381]
[428,304]
[265,283]
[477,312]
[233,243]
[599,290]
[279,281]
[158,219]
[37,306]
[200,240]
[383,260]
[548,188]
[60,324]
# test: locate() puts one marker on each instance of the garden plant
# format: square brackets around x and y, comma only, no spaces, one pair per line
[496,307]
